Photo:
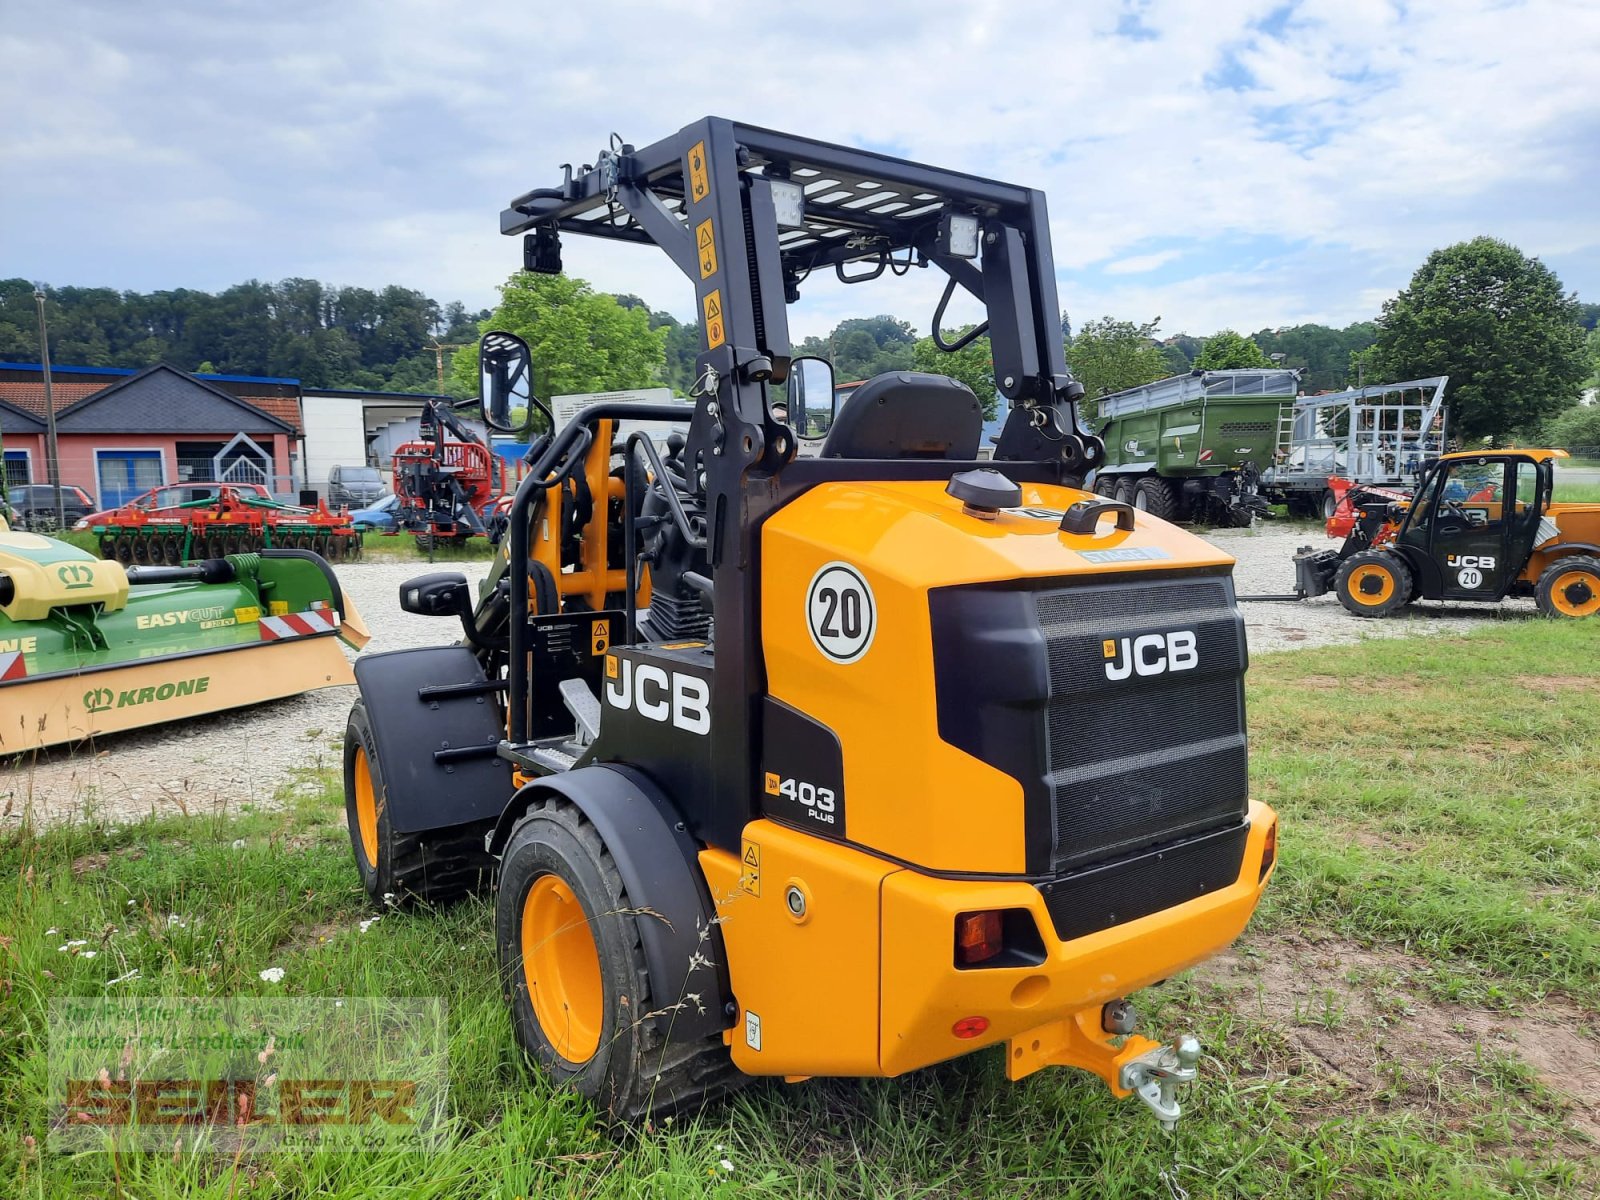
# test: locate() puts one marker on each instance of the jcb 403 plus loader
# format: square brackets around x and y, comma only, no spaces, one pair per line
[833,765]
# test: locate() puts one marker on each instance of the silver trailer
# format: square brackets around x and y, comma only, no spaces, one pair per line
[1382,435]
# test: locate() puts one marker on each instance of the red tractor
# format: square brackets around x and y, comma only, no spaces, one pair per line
[444,486]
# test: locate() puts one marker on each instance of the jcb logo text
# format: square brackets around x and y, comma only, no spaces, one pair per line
[1150,654]
[659,695]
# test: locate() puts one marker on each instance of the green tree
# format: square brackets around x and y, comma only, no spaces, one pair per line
[1577,428]
[1226,350]
[1498,323]
[862,347]
[1322,353]
[582,340]
[1108,355]
[972,365]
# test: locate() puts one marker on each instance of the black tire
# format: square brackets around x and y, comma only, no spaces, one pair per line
[1125,488]
[624,1066]
[1569,588]
[398,870]
[1105,485]
[1156,497]
[425,542]
[1373,583]
[1236,517]
[1328,505]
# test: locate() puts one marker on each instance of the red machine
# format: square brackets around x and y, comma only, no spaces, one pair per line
[444,486]
[233,521]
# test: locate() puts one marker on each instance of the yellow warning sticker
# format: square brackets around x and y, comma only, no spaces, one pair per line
[716,334]
[599,637]
[611,666]
[252,613]
[699,180]
[277,608]
[772,783]
[1108,648]
[750,876]
[706,243]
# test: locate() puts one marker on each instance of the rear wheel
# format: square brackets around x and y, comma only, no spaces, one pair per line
[1330,505]
[1125,489]
[1105,485]
[573,970]
[1570,588]
[398,869]
[1156,497]
[1373,583]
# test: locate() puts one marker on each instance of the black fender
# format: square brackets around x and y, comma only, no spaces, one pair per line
[1563,549]
[438,731]
[659,865]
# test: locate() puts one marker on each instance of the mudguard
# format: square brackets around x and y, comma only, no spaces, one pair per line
[659,866]
[437,731]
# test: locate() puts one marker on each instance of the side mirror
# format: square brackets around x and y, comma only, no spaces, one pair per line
[813,402]
[503,364]
[445,594]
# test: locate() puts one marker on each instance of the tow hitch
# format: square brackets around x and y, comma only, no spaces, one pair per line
[1156,1075]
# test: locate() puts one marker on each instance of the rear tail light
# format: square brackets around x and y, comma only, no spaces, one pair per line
[1269,853]
[979,937]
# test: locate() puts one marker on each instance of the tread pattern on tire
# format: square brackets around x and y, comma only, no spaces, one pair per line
[1554,571]
[1405,586]
[669,1076]
[1159,497]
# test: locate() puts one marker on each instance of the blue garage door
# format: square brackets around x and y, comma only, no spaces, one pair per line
[126,473]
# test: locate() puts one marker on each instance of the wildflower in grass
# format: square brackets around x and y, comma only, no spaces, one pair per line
[273,975]
[726,1165]
[89,953]
[369,923]
[71,946]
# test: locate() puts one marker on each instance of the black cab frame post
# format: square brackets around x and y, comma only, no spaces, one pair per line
[706,196]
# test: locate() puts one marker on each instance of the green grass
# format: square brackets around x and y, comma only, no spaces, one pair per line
[1441,812]
[1576,493]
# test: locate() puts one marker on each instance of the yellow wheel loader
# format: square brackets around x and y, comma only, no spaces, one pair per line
[844,763]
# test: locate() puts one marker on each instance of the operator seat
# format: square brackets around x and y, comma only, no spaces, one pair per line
[907,414]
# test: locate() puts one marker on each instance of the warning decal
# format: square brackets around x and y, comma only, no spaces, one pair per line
[699,180]
[599,637]
[706,245]
[715,333]
[750,869]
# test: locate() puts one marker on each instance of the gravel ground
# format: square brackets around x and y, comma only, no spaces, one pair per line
[247,756]
[227,759]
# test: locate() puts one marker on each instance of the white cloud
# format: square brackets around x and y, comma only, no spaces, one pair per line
[365,143]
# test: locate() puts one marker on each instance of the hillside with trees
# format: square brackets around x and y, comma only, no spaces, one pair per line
[1518,349]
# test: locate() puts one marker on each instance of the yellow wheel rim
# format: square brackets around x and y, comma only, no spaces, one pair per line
[1575,608]
[366,808]
[561,965]
[1368,572]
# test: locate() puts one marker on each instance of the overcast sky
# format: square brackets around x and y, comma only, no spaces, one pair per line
[1213,162]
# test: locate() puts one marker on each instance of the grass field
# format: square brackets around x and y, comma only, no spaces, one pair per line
[1412,1014]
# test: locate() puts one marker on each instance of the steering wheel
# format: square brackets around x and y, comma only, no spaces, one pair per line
[1455,510]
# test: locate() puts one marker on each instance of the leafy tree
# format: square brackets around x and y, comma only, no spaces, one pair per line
[1226,350]
[1322,353]
[1498,323]
[1108,355]
[582,340]
[862,347]
[1589,315]
[972,365]
[1576,428]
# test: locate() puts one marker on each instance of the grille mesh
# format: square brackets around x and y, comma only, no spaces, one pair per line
[1137,762]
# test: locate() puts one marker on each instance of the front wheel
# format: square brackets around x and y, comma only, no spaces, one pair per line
[573,971]
[1373,583]
[399,869]
[1570,588]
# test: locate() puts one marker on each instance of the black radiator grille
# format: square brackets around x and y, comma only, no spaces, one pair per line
[1144,759]
[1123,890]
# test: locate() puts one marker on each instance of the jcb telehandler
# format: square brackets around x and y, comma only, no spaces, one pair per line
[1481,526]
[835,765]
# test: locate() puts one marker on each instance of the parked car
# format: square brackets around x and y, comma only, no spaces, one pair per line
[354,487]
[379,516]
[163,500]
[33,505]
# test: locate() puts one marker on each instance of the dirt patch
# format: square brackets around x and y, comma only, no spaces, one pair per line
[1364,1018]
[89,862]
[1557,683]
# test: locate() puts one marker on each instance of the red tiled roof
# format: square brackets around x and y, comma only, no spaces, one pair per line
[29,397]
[285,408]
